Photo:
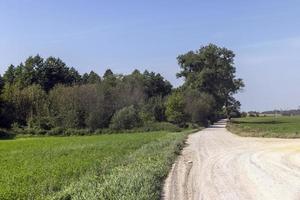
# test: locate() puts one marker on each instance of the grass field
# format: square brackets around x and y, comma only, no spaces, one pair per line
[117,166]
[281,127]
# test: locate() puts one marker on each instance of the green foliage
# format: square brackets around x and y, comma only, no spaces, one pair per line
[119,166]
[175,108]
[41,94]
[108,74]
[70,110]
[244,114]
[56,131]
[71,131]
[131,89]
[32,131]
[91,78]
[30,102]
[198,106]
[9,75]
[44,123]
[156,85]
[153,110]
[280,126]
[109,77]
[211,70]
[46,73]
[1,83]
[15,103]
[46,93]
[126,118]
[54,71]
[159,126]
[7,114]
[5,135]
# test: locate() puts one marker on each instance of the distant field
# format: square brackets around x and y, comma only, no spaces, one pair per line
[118,166]
[282,127]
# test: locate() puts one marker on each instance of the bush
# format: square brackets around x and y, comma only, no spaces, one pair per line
[45,123]
[56,131]
[243,114]
[147,127]
[33,131]
[72,131]
[198,106]
[4,135]
[175,109]
[97,119]
[126,118]
[153,110]
[16,128]
[159,126]
[192,126]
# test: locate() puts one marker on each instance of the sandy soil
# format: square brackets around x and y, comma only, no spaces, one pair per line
[216,164]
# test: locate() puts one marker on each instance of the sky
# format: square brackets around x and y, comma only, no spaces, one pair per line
[134,34]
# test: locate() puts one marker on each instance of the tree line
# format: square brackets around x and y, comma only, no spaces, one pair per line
[46,94]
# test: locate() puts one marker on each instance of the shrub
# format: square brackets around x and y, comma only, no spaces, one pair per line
[56,131]
[34,131]
[72,131]
[97,119]
[175,109]
[198,106]
[16,128]
[153,110]
[192,126]
[159,126]
[147,127]
[45,123]
[6,135]
[126,118]
[243,114]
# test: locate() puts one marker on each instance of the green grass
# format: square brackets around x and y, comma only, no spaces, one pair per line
[281,127]
[117,166]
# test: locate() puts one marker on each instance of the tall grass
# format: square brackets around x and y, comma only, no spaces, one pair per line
[118,166]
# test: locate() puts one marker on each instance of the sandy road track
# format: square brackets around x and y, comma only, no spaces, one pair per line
[219,165]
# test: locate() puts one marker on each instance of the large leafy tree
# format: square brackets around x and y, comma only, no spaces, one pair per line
[211,70]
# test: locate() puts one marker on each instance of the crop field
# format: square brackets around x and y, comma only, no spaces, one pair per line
[280,126]
[117,166]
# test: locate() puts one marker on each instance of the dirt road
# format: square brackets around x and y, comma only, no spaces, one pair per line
[219,165]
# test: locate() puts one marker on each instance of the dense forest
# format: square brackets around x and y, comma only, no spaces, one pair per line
[41,96]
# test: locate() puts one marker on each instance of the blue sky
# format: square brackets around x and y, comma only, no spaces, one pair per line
[124,35]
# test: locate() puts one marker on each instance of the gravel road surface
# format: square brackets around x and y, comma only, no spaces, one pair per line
[217,164]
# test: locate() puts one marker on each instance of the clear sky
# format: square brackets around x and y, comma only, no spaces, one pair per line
[124,35]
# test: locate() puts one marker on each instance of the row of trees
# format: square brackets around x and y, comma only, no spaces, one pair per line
[46,93]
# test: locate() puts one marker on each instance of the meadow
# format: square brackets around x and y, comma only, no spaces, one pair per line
[269,126]
[116,166]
